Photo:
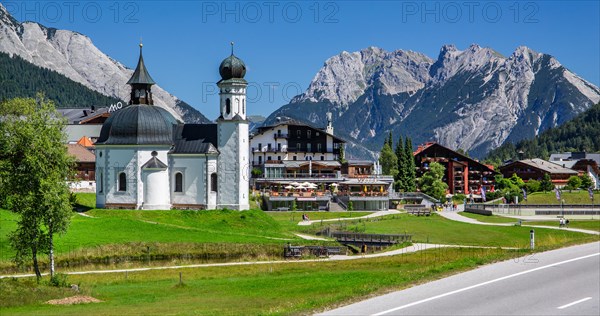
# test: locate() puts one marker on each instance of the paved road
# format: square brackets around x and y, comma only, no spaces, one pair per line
[559,282]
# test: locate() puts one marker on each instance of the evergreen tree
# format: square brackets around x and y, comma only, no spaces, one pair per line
[388,160]
[399,179]
[19,78]
[582,133]
[410,167]
[342,154]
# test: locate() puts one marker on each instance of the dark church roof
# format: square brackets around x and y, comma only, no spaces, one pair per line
[195,139]
[141,75]
[154,163]
[138,124]
[232,67]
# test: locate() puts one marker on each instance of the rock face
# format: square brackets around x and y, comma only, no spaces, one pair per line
[75,56]
[474,99]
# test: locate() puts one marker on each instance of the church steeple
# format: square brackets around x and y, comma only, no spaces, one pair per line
[141,83]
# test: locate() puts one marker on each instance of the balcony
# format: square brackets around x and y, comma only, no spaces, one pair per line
[269,150]
[280,136]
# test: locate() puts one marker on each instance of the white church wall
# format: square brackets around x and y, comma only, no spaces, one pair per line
[144,154]
[193,170]
[245,167]
[156,189]
[228,174]
[212,167]
[117,160]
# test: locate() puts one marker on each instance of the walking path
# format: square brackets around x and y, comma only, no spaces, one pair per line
[375,214]
[457,217]
[410,249]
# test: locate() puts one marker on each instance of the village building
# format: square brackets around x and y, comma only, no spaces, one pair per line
[584,163]
[147,159]
[535,169]
[464,175]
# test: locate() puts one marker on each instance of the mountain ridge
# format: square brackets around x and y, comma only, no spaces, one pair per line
[74,55]
[474,99]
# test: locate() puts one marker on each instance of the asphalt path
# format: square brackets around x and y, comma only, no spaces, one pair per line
[559,282]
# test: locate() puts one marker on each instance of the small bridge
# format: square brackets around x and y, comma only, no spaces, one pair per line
[370,239]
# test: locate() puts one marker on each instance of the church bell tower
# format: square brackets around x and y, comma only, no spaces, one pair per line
[233,166]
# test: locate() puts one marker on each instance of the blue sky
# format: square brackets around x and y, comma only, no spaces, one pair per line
[285,43]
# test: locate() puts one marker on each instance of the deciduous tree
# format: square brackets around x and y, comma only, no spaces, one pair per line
[34,167]
[431,182]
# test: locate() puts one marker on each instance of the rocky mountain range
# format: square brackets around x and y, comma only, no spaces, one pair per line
[474,99]
[76,57]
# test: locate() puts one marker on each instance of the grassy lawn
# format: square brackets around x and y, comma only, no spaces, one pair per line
[489,219]
[575,197]
[436,229]
[281,289]
[573,223]
[290,219]
[111,234]
[289,288]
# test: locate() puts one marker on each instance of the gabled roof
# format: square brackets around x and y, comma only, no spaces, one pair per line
[432,145]
[80,153]
[154,163]
[543,165]
[85,142]
[293,122]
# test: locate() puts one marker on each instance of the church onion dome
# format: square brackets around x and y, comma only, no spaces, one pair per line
[232,67]
[141,75]
[138,124]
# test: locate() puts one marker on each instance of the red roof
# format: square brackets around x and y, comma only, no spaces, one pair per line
[85,142]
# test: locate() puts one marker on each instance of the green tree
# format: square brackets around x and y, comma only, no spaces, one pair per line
[342,154]
[410,167]
[399,178]
[431,182]
[516,180]
[574,182]
[546,183]
[586,181]
[34,165]
[388,161]
[532,186]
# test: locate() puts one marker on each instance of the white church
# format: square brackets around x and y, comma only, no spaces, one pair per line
[146,159]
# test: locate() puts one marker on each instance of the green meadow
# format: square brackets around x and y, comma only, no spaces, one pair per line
[103,239]
[570,197]
[268,289]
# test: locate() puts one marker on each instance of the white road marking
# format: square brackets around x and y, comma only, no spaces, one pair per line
[576,302]
[484,283]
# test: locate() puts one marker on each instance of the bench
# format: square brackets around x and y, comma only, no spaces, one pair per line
[423,212]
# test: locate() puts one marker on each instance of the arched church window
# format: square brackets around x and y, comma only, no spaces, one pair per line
[122,182]
[228,106]
[243,106]
[179,182]
[213,182]
[101,180]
